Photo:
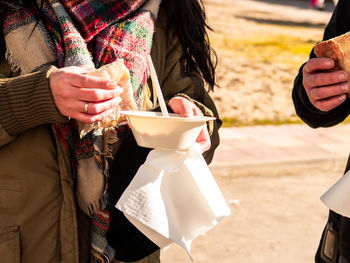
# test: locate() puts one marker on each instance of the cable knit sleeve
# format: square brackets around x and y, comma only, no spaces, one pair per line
[26,102]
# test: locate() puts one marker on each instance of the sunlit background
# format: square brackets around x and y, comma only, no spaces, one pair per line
[276,212]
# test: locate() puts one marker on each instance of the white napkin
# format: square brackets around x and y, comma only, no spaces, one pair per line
[337,198]
[173,198]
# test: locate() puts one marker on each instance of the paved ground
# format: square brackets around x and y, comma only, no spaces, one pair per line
[272,178]
[243,148]
[293,12]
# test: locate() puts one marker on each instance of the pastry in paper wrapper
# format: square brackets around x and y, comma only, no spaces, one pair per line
[117,72]
[173,198]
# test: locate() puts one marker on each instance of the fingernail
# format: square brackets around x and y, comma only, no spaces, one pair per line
[342,98]
[328,63]
[341,76]
[345,87]
[112,85]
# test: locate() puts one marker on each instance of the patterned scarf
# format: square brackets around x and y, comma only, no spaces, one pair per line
[86,33]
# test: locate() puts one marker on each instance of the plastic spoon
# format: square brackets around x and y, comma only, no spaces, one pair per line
[156,85]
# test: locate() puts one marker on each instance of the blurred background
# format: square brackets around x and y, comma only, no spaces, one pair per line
[261,45]
[276,212]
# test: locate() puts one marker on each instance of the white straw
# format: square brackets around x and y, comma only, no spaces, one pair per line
[156,86]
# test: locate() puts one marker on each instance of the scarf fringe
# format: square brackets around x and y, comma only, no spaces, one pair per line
[91,208]
[85,128]
[11,60]
[110,140]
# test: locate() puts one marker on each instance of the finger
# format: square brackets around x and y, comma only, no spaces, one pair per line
[197,111]
[329,91]
[325,79]
[317,64]
[184,107]
[97,94]
[93,108]
[204,139]
[188,110]
[77,70]
[91,82]
[330,103]
[181,106]
[88,118]
[87,70]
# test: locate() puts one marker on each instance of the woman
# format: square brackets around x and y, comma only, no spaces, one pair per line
[52,45]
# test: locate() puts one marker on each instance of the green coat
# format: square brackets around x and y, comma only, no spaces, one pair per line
[39,218]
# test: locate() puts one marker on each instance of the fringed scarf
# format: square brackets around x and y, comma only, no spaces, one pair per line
[86,33]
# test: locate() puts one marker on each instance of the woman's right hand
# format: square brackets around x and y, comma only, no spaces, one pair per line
[325,89]
[72,89]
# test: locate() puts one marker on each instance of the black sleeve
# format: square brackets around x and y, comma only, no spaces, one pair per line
[338,24]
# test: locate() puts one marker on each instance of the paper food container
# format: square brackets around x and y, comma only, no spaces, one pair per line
[153,130]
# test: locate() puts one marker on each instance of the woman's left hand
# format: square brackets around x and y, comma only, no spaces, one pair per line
[186,108]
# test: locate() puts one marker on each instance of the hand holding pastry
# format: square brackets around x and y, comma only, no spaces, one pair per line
[83,97]
[325,88]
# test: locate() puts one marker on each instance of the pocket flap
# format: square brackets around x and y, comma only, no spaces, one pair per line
[9,245]
[11,185]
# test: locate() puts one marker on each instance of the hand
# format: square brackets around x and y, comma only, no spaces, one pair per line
[326,90]
[186,108]
[72,89]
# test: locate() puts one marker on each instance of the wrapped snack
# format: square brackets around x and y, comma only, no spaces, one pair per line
[117,72]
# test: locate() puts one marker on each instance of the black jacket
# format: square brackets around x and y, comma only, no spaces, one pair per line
[339,24]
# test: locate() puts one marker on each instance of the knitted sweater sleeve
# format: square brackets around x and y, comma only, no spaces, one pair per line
[26,102]
[338,24]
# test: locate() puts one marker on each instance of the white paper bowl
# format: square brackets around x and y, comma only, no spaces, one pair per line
[153,130]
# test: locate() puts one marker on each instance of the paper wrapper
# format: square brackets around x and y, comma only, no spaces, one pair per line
[337,198]
[173,198]
[119,73]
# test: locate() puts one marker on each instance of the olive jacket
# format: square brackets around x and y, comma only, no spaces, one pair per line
[39,218]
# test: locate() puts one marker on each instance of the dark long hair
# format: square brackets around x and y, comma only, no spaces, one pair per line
[5,7]
[188,19]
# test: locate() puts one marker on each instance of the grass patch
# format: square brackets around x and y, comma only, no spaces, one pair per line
[232,122]
[267,48]
[347,120]
[287,51]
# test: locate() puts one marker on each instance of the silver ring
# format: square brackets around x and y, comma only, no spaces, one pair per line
[86,107]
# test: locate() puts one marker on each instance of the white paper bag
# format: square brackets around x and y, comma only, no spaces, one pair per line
[173,198]
[337,198]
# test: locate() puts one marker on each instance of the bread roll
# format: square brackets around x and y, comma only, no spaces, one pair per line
[338,49]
